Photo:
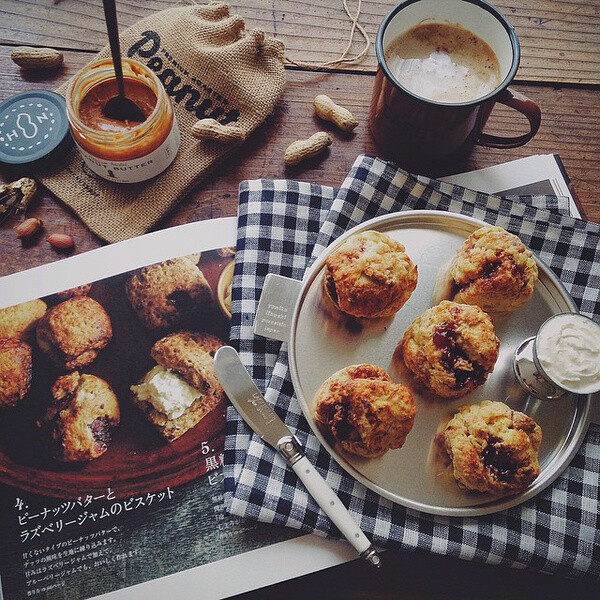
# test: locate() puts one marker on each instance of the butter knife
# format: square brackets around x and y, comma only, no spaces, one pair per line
[257,412]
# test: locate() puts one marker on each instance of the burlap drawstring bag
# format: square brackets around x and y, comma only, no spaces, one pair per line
[202,46]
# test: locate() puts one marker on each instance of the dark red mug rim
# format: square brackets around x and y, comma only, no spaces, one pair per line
[510,30]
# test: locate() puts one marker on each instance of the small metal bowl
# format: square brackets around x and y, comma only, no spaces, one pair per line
[532,375]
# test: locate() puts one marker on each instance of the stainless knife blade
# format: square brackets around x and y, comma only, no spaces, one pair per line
[258,413]
[247,398]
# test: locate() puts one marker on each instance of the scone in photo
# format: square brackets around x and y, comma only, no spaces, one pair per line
[183,387]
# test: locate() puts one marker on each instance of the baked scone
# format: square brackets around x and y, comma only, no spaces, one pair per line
[15,371]
[170,294]
[451,348]
[183,387]
[369,275]
[73,332]
[362,409]
[19,321]
[493,448]
[82,417]
[494,270]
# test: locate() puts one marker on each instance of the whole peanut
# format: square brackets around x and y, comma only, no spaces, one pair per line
[328,110]
[302,149]
[61,241]
[30,57]
[211,129]
[29,227]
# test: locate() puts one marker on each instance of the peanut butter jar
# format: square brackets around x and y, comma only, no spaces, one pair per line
[122,151]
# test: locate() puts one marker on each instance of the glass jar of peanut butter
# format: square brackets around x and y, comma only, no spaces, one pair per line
[122,151]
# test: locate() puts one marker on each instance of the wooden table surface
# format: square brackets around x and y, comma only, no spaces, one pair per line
[560,70]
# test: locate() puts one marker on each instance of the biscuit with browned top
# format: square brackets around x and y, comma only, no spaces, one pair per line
[493,448]
[82,417]
[19,321]
[15,371]
[73,332]
[369,275]
[188,355]
[494,270]
[191,354]
[170,294]
[451,348]
[362,409]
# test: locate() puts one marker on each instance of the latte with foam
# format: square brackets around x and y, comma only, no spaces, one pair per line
[443,62]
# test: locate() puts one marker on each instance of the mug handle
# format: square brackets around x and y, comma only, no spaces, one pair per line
[525,106]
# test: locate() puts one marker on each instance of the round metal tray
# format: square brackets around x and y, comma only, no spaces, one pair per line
[324,341]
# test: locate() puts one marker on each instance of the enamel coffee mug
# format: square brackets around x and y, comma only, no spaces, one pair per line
[442,66]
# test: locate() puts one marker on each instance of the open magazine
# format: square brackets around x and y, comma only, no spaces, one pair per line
[145,518]
[146,510]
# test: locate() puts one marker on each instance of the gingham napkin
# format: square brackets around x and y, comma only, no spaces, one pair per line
[283,226]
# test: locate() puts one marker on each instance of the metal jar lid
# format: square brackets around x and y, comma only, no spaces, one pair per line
[33,128]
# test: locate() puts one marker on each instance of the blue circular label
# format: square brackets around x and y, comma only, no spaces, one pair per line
[32,125]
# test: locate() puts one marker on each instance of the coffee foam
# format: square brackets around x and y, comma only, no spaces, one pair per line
[444,63]
[437,77]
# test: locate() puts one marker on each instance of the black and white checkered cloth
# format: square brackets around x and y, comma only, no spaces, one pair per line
[283,226]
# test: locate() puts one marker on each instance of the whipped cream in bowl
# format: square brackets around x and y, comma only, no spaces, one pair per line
[566,352]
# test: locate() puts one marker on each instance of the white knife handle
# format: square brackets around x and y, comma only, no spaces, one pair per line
[327,499]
